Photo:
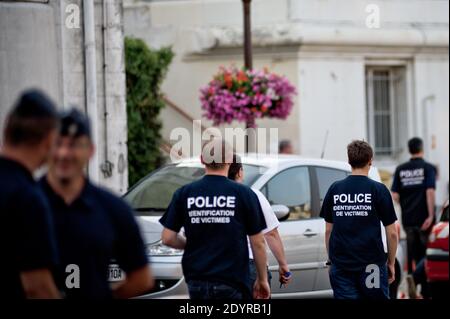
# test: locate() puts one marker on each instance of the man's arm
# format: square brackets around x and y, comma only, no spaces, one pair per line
[396,197]
[261,289]
[328,229]
[392,242]
[136,283]
[173,239]
[326,212]
[430,185]
[39,284]
[275,244]
[430,206]
[396,186]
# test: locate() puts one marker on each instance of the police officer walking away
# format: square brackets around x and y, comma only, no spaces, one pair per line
[271,234]
[353,209]
[413,187]
[27,238]
[93,226]
[217,215]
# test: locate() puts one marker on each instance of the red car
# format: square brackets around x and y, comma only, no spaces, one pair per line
[436,265]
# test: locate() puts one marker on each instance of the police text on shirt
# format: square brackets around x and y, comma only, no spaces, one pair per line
[352,204]
[221,208]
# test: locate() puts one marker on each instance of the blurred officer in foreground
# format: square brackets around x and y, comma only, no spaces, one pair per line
[414,188]
[93,226]
[27,239]
[271,234]
[217,215]
[353,209]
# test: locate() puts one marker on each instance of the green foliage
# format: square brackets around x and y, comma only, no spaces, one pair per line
[145,71]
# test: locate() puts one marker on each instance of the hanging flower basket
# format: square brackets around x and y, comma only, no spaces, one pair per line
[246,95]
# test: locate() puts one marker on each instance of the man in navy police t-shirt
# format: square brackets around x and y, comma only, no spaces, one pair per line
[93,227]
[414,188]
[217,215]
[27,239]
[353,209]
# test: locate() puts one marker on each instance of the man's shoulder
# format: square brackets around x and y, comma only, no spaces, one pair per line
[337,184]
[404,165]
[379,185]
[23,187]
[380,189]
[226,183]
[114,202]
[430,166]
[188,189]
[24,194]
[15,181]
[184,189]
[243,189]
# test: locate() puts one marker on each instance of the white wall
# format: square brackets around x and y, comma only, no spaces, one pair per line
[323,46]
[354,11]
[432,121]
[28,54]
[331,99]
[37,49]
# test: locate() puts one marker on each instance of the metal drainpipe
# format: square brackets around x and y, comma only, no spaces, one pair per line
[106,167]
[91,82]
[427,103]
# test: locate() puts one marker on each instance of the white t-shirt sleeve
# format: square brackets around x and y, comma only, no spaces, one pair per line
[270,217]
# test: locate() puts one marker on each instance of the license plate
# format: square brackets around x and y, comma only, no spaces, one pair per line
[115,273]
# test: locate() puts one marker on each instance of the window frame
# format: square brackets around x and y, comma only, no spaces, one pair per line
[393,110]
[315,182]
[314,211]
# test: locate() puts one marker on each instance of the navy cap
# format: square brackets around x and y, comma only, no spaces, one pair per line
[74,123]
[35,104]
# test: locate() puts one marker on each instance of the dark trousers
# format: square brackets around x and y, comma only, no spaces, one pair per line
[348,284]
[203,289]
[416,244]
[420,277]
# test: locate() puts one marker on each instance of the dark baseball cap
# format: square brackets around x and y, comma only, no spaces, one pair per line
[74,124]
[34,103]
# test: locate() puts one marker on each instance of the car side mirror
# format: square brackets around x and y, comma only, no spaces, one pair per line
[281,211]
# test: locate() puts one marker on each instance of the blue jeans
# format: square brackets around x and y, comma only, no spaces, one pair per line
[361,284]
[202,289]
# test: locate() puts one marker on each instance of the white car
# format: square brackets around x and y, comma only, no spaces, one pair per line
[295,186]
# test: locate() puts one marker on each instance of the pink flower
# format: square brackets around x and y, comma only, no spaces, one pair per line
[270,95]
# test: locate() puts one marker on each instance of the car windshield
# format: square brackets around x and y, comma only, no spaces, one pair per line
[153,194]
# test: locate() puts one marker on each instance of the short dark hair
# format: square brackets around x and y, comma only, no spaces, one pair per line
[212,160]
[235,167]
[415,145]
[31,119]
[359,153]
[283,145]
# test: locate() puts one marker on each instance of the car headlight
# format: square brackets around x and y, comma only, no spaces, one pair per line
[158,249]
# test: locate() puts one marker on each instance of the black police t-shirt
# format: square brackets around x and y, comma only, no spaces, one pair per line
[411,181]
[97,228]
[217,215]
[355,206]
[27,239]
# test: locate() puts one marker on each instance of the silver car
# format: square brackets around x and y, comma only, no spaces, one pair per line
[295,186]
